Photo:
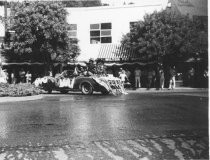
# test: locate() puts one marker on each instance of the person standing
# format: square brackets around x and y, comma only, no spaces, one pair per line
[28,77]
[128,74]
[172,81]
[162,78]
[12,78]
[205,77]
[122,76]
[22,76]
[137,73]
[191,77]
[100,68]
[91,68]
[150,76]
[120,71]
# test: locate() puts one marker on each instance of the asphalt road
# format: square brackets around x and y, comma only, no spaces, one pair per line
[135,126]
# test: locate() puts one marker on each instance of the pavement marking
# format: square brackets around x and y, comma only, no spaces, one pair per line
[144,158]
[60,154]
[108,146]
[157,146]
[186,146]
[20,155]
[139,147]
[171,145]
[125,148]
[3,156]
[90,156]
[110,154]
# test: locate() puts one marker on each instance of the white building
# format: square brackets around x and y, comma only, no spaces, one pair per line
[98,29]
[129,2]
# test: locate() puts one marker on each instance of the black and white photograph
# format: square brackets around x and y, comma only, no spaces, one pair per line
[104,80]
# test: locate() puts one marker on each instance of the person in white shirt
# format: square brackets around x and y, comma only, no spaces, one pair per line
[28,77]
[122,76]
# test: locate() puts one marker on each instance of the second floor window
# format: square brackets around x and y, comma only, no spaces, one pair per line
[100,33]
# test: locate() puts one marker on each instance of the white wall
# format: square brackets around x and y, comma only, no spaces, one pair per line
[137,2]
[119,16]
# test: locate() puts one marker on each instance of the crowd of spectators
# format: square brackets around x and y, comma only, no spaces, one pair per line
[158,77]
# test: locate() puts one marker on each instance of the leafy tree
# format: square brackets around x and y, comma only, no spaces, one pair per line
[82,3]
[166,37]
[41,33]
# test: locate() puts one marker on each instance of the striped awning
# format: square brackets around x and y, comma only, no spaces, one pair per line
[116,52]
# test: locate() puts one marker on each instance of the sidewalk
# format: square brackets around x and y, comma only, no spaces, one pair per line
[130,90]
[178,89]
[16,99]
[185,91]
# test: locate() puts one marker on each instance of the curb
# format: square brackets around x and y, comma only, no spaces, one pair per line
[17,99]
[139,90]
[169,90]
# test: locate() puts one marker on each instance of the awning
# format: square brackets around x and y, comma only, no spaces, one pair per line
[77,63]
[127,63]
[116,52]
[23,63]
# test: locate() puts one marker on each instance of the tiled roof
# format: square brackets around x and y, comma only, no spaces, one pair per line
[116,52]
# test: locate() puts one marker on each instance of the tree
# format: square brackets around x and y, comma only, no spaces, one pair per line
[165,37]
[41,33]
[82,3]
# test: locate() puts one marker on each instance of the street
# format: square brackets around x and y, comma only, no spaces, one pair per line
[146,126]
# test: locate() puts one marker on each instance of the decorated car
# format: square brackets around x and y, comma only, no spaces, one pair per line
[66,82]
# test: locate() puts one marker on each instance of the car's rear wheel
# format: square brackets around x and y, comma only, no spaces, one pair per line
[86,88]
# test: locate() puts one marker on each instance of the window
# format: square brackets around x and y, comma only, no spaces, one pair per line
[100,33]
[94,26]
[132,25]
[106,26]
[106,39]
[72,30]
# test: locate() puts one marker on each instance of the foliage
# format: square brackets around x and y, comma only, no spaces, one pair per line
[82,3]
[165,36]
[18,90]
[41,33]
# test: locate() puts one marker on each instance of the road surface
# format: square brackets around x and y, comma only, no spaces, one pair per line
[146,126]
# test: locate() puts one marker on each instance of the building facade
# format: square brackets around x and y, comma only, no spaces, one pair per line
[102,28]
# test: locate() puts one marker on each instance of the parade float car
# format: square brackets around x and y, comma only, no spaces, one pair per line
[86,84]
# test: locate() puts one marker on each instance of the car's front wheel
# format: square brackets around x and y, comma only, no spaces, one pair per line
[86,88]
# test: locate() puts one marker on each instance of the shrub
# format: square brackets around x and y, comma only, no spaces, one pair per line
[18,90]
